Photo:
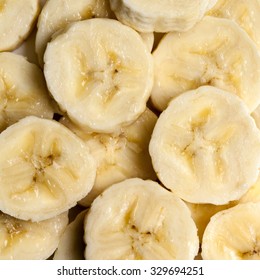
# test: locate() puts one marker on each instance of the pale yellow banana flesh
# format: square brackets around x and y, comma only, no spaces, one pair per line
[138,219]
[45,169]
[204,152]
[215,52]
[26,240]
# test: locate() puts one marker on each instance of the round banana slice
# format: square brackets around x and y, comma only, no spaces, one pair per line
[215,52]
[119,156]
[71,245]
[23,90]
[138,219]
[100,72]
[45,169]
[26,240]
[233,234]
[246,13]
[56,14]
[160,16]
[202,150]
[17,19]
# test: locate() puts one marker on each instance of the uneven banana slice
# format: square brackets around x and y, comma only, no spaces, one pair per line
[233,234]
[100,72]
[215,52]
[138,219]
[119,156]
[56,14]
[44,169]
[160,16]
[71,245]
[23,90]
[246,13]
[17,19]
[26,240]
[204,152]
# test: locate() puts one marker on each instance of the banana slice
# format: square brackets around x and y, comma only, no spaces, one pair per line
[23,90]
[17,19]
[120,156]
[44,169]
[204,152]
[246,13]
[215,52]
[100,72]
[160,16]
[71,244]
[25,240]
[138,219]
[233,234]
[56,14]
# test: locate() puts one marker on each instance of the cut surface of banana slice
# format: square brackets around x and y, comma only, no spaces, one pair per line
[100,72]
[138,219]
[160,16]
[44,169]
[23,90]
[204,152]
[17,19]
[215,52]
[119,156]
[26,240]
[71,245]
[246,13]
[233,234]
[56,14]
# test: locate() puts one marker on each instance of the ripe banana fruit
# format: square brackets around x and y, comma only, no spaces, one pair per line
[246,13]
[160,16]
[119,156]
[45,169]
[71,245]
[17,19]
[23,90]
[26,240]
[215,52]
[137,219]
[100,72]
[233,234]
[56,14]
[204,152]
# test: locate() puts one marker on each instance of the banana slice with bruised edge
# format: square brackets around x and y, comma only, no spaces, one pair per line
[23,90]
[26,240]
[45,169]
[56,14]
[138,219]
[233,234]
[100,72]
[215,52]
[204,152]
[163,16]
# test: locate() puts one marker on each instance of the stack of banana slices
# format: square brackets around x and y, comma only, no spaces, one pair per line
[129,130]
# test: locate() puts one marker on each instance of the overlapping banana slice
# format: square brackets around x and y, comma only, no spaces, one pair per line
[56,14]
[246,13]
[138,219]
[17,19]
[23,90]
[120,156]
[44,169]
[233,234]
[71,245]
[202,150]
[26,240]
[100,72]
[160,16]
[215,52]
